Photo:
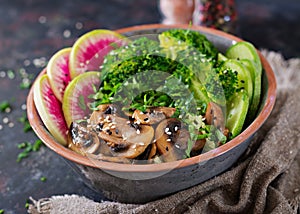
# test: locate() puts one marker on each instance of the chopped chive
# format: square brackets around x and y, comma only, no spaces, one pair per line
[11,74]
[37,145]
[43,178]
[25,84]
[26,125]
[28,148]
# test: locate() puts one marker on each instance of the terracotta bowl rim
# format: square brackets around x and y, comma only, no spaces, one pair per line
[50,142]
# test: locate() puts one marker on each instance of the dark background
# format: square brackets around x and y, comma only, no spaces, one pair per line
[32,30]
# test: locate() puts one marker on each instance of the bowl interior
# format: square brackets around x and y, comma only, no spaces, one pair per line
[222,41]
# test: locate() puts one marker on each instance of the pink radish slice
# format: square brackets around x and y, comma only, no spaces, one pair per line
[58,72]
[76,98]
[89,50]
[50,109]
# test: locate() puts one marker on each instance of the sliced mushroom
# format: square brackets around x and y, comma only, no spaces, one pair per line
[149,152]
[126,139]
[137,143]
[214,116]
[153,150]
[153,115]
[103,111]
[82,140]
[166,134]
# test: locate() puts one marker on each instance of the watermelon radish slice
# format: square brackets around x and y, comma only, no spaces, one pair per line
[89,50]
[58,72]
[50,109]
[76,98]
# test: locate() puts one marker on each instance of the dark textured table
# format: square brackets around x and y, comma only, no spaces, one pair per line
[31,31]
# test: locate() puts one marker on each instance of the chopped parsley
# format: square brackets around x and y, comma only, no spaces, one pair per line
[4,105]
[28,148]
[43,179]
[26,125]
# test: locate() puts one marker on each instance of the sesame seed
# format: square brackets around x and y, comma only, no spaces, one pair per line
[166,130]
[176,128]
[67,33]
[42,19]
[1,127]
[133,146]
[142,143]
[2,74]
[78,25]
[26,62]
[169,140]
[168,133]
[5,120]
[177,146]
[11,124]
[138,131]
[154,140]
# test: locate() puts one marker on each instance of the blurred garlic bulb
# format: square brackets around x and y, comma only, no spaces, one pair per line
[177,11]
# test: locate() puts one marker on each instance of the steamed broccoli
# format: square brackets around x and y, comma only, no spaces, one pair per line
[178,71]
[144,55]
[222,84]
[176,40]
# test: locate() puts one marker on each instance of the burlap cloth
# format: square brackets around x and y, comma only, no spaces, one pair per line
[265,180]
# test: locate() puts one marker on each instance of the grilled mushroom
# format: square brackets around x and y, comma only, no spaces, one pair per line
[153,115]
[214,116]
[102,112]
[125,138]
[170,139]
[81,139]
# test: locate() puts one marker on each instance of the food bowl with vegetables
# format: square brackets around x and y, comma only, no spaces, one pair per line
[146,111]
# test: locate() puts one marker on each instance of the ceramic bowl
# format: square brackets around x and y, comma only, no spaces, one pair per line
[142,183]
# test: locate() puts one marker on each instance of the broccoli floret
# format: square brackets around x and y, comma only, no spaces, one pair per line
[221,84]
[143,55]
[175,40]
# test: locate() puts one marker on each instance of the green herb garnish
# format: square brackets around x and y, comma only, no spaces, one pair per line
[28,148]
[11,74]
[26,125]
[4,105]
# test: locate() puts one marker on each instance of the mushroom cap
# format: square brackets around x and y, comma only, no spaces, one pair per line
[153,115]
[214,116]
[170,143]
[82,140]
[126,139]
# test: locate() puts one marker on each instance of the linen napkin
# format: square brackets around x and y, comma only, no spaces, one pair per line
[265,180]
